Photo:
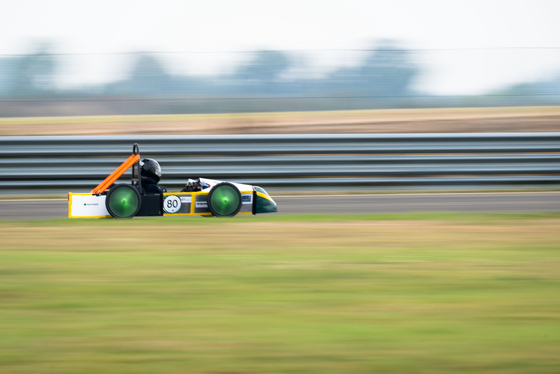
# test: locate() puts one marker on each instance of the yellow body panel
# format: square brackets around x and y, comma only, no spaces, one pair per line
[193,201]
[87,205]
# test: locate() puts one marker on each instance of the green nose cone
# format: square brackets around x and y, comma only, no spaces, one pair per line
[265,205]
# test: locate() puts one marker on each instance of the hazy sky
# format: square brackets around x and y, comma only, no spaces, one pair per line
[463,46]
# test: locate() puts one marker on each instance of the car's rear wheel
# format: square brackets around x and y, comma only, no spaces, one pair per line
[123,201]
[224,200]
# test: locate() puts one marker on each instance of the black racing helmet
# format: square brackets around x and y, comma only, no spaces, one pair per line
[150,168]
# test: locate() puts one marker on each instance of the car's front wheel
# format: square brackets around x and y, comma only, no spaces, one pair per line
[224,200]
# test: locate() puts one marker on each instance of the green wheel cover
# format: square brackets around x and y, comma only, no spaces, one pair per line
[123,201]
[224,200]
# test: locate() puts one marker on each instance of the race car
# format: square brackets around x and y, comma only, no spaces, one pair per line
[204,197]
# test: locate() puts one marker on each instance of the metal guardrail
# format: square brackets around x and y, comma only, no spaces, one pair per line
[47,165]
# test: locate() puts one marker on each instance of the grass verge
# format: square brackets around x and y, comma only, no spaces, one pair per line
[285,294]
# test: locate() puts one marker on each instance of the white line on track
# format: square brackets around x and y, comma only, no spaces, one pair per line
[352,195]
[423,194]
[356,195]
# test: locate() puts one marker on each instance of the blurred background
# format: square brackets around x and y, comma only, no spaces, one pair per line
[182,57]
[182,68]
[43,82]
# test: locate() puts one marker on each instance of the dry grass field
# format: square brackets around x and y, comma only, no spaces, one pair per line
[507,119]
[285,294]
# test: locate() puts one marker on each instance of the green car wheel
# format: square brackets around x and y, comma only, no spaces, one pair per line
[123,201]
[224,200]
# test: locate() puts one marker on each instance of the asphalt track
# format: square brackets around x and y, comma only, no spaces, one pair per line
[344,204]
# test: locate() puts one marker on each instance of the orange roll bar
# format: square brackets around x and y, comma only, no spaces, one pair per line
[116,174]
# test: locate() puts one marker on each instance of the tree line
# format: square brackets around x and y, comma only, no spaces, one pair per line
[383,79]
